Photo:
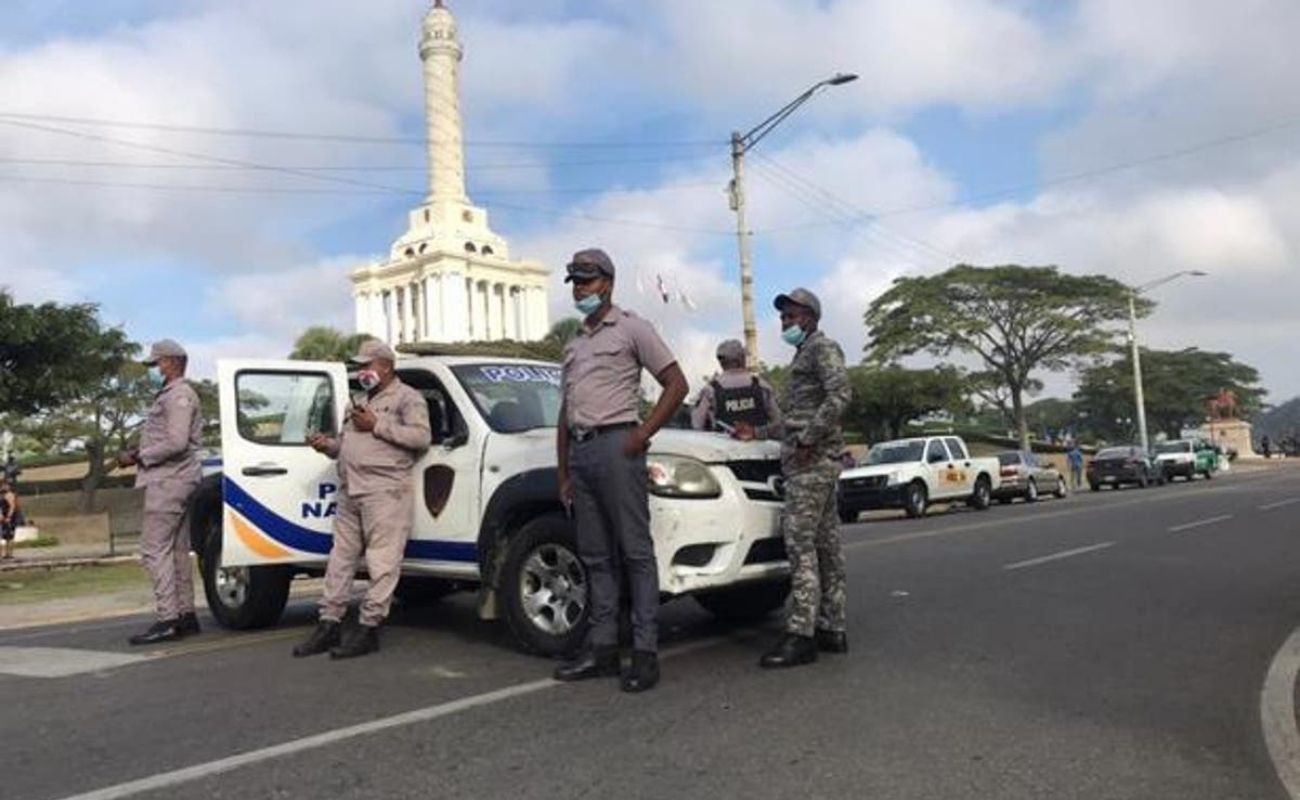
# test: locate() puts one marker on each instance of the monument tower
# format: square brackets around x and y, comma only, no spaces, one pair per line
[449,278]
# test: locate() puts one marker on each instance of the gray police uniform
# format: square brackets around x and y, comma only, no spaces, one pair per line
[169,472]
[814,402]
[737,395]
[601,385]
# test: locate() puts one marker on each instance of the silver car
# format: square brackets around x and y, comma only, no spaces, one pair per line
[1025,475]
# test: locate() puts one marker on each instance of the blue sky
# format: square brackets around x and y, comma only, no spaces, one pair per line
[605,123]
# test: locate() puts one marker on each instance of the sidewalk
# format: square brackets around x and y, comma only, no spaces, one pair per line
[71,555]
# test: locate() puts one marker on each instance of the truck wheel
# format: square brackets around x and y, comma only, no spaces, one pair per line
[848,515]
[1031,491]
[982,497]
[1061,489]
[544,587]
[241,598]
[417,590]
[1096,487]
[915,500]
[1142,480]
[1209,474]
[748,602]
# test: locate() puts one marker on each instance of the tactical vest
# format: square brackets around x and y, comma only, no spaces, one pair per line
[745,404]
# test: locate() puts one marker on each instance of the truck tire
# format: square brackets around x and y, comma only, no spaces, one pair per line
[848,515]
[543,587]
[915,499]
[1031,491]
[982,497]
[1143,480]
[1061,489]
[748,602]
[240,598]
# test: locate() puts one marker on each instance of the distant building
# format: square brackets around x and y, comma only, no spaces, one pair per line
[449,278]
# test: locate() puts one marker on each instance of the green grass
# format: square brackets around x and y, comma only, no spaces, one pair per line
[39,541]
[35,585]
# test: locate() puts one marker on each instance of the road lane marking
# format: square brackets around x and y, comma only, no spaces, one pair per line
[176,777]
[1279,504]
[1277,714]
[1200,523]
[1078,551]
[60,662]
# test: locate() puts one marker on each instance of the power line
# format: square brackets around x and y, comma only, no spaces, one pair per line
[350,138]
[523,165]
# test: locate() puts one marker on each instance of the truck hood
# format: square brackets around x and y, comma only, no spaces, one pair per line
[711,448]
[875,469]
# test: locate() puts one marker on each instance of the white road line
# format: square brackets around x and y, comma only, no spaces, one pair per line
[1200,523]
[1078,551]
[164,780]
[1279,504]
[1277,714]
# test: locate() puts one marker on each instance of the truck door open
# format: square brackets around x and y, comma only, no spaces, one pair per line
[278,494]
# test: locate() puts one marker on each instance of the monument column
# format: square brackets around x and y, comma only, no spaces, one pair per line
[376,325]
[361,303]
[441,53]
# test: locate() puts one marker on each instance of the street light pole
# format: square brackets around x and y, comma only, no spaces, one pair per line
[740,145]
[1138,397]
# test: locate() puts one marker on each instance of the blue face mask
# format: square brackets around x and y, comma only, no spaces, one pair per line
[155,376]
[794,335]
[588,305]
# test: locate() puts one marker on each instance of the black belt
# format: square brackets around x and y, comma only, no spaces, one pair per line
[579,434]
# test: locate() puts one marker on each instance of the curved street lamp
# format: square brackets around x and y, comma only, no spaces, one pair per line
[741,144]
[1139,397]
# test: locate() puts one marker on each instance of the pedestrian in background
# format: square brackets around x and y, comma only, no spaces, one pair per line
[739,402]
[601,446]
[385,433]
[1075,457]
[8,519]
[814,403]
[168,470]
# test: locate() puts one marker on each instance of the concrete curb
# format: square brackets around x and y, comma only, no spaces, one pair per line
[56,563]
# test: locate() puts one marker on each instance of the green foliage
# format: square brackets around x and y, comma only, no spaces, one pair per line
[1175,383]
[50,353]
[323,343]
[886,399]
[563,332]
[1016,319]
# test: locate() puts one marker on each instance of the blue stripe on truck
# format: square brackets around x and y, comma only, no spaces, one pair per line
[296,536]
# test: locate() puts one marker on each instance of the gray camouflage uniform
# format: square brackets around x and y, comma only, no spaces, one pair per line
[814,402]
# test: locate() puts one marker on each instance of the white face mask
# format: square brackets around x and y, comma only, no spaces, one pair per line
[368,379]
[155,376]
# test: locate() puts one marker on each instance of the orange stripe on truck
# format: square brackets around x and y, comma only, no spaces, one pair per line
[254,540]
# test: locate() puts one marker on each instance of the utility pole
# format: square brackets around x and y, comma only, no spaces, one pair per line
[1137,372]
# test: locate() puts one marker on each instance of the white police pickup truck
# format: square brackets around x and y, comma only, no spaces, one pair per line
[487,514]
[911,473]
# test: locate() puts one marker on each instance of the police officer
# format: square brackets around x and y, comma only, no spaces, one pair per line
[814,402]
[737,401]
[601,444]
[169,472]
[384,434]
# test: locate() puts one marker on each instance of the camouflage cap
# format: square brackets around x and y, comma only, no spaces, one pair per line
[164,348]
[799,297]
[372,349]
[590,263]
[731,350]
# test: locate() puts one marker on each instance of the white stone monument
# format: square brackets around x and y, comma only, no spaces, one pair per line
[449,278]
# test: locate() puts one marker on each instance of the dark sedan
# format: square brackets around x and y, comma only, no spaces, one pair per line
[1116,466]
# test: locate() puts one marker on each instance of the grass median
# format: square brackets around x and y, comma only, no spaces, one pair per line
[37,584]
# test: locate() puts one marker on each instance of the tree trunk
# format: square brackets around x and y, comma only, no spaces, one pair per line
[94,476]
[1018,411]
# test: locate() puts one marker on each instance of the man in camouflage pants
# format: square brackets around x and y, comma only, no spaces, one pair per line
[814,402]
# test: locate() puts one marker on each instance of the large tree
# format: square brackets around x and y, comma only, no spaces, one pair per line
[50,353]
[564,331]
[323,343]
[1017,320]
[886,399]
[1175,384]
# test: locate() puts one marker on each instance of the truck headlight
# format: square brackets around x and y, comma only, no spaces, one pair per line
[678,476]
[894,479]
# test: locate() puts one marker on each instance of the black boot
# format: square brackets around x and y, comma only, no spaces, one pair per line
[596,662]
[832,641]
[166,630]
[644,672]
[791,651]
[189,624]
[357,641]
[324,636]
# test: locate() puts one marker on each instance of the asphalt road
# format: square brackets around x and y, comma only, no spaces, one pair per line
[1109,645]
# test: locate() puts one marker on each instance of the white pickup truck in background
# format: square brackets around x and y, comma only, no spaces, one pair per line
[912,473]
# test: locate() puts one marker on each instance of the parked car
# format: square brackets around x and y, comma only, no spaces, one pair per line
[1026,475]
[1116,466]
[1187,458]
[910,473]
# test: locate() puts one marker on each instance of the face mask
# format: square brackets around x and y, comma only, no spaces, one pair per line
[155,376]
[589,305]
[368,379]
[794,335]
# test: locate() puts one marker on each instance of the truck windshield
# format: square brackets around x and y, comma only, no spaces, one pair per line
[513,397]
[1174,447]
[895,453]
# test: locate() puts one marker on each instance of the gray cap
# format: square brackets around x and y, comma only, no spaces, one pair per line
[164,348]
[590,263]
[372,349]
[731,350]
[800,297]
